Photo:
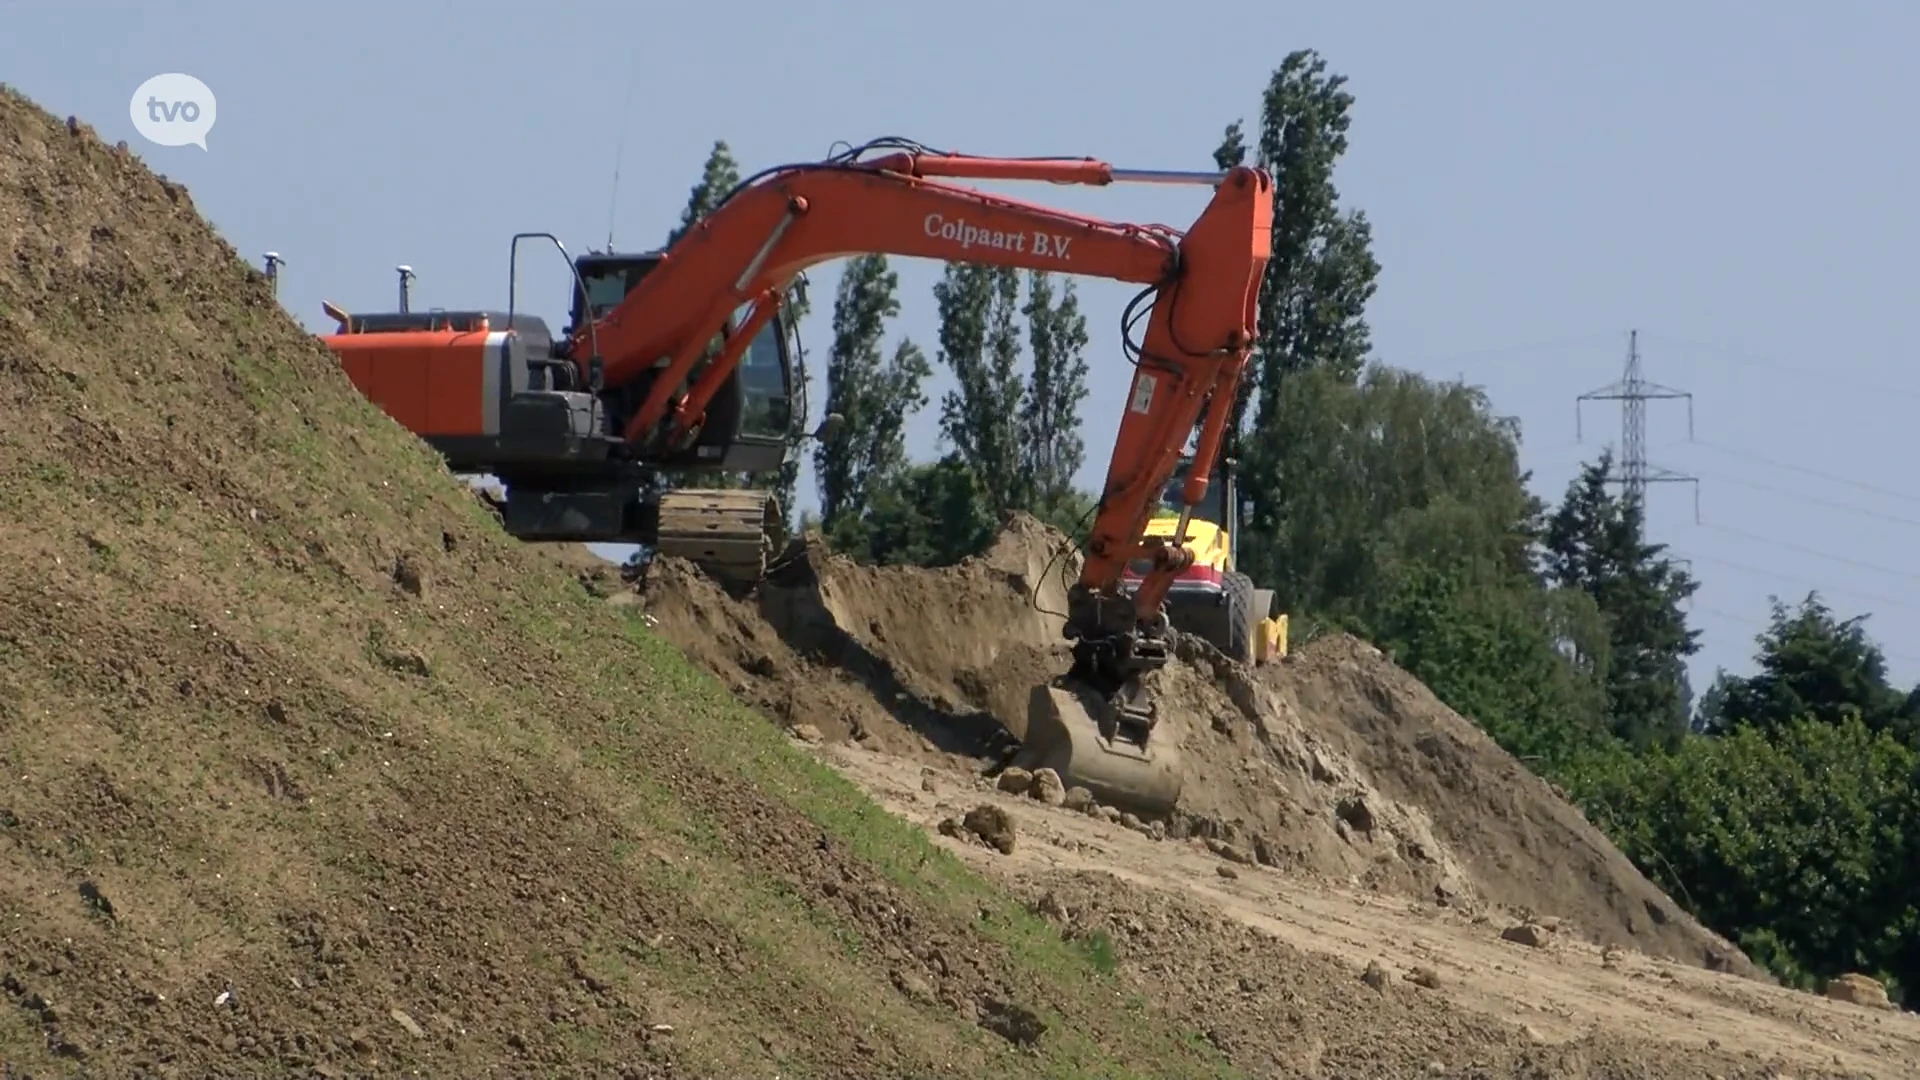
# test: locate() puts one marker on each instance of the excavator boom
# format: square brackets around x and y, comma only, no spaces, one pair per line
[655,359]
[1095,728]
[772,228]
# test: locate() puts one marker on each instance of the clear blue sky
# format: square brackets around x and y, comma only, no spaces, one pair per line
[1734,179]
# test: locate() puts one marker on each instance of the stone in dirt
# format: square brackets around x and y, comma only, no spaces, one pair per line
[1047,788]
[1016,781]
[1423,976]
[993,825]
[1375,976]
[1013,1022]
[1858,989]
[1532,935]
[1230,852]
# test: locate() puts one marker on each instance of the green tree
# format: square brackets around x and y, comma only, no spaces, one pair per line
[1485,644]
[1051,450]
[1322,271]
[980,344]
[1371,458]
[874,395]
[932,514]
[720,175]
[1795,841]
[1596,542]
[1313,296]
[1817,666]
[1409,523]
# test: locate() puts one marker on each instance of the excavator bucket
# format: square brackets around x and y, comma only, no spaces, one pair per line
[1072,730]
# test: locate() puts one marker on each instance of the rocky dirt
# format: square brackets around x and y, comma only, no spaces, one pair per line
[1336,817]
[1334,764]
[310,771]
[1208,926]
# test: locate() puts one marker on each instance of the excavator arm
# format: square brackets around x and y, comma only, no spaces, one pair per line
[771,228]
[1203,285]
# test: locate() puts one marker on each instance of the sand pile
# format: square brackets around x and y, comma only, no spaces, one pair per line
[907,661]
[310,770]
[1333,763]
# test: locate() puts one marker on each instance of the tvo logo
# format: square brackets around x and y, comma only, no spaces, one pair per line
[173,110]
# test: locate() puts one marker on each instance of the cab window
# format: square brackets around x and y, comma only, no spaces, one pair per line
[605,286]
[763,383]
[604,290]
[1209,508]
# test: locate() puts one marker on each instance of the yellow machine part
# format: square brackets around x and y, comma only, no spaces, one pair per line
[1209,543]
[1270,640]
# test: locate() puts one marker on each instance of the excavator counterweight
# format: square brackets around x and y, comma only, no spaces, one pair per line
[676,363]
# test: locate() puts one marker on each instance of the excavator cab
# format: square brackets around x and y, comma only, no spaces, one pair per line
[749,422]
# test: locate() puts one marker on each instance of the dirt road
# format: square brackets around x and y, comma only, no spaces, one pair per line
[1561,991]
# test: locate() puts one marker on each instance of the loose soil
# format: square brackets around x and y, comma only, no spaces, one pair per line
[1335,817]
[1291,974]
[1333,764]
[311,771]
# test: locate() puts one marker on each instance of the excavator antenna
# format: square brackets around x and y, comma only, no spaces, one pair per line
[620,144]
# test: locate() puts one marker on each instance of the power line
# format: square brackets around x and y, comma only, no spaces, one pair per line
[1849,481]
[1814,500]
[1802,549]
[1741,356]
[1763,625]
[1633,391]
[1876,598]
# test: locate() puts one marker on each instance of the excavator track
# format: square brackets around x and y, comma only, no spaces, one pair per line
[728,533]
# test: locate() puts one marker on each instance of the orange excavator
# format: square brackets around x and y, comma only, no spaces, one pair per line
[677,361]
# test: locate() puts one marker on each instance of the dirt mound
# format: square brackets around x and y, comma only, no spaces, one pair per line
[309,769]
[905,660]
[1333,763]
[1517,838]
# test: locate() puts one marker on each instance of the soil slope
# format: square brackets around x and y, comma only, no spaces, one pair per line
[310,770]
[1360,883]
[1335,763]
